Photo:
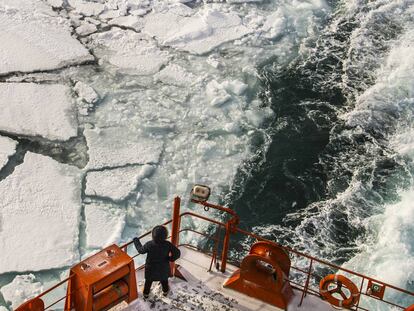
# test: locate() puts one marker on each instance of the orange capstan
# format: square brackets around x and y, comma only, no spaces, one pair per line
[101,281]
[263,274]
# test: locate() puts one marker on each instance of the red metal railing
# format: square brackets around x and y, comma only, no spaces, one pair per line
[307,285]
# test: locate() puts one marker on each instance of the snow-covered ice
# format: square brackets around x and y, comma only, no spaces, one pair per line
[33,38]
[131,52]
[87,8]
[104,225]
[108,147]
[175,75]
[86,29]
[30,109]
[116,183]
[86,92]
[39,215]
[196,34]
[7,149]
[22,288]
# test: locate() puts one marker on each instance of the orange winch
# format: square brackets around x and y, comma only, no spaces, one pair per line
[102,281]
[263,274]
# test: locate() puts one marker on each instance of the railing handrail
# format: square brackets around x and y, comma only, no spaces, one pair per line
[288,249]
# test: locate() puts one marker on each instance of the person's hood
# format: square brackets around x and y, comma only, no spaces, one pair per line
[159,234]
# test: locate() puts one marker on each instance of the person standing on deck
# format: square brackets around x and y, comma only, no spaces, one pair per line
[160,253]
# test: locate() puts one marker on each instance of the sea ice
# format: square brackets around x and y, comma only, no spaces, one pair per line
[128,21]
[131,52]
[88,8]
[197,34]
[85,29]
[104,225]
[117,146]
[22,288]
[39,215]
[31,109]
[175,75]
[7,149]
[33,40]
[85,92]
[116,183]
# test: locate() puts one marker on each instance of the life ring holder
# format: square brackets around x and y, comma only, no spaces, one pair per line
[340,281]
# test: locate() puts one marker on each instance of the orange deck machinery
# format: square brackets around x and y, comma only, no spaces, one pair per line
[263,274]
[102,281]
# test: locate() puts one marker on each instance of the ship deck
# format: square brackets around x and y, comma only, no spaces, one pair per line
[204,291]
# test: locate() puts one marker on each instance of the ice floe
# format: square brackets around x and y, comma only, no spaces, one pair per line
[104,225]
[39,215]
[33,38]
[175,75]
[22,288]
[131,52]
[86,29]
[31,109]
[109,148]
[197,34]
[7,149]
[117,183]
[86,92]
[87,8]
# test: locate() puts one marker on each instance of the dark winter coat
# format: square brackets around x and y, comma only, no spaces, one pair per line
[159,256]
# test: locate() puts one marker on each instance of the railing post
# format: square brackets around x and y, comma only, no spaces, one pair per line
[225,247]
[175,231]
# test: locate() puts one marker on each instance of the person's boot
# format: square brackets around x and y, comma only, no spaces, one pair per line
[165,293]
[146,296]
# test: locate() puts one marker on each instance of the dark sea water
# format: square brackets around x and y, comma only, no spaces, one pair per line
[333,171]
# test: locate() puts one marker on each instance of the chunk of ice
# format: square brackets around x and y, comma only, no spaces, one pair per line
[175,75]
[31,109]
[129,51]
[117,146]
[116,183]
[87,8]
[39,215]
[86,92]
[35,43]
[104,225]
[197,34]
[86,29]
[7,149]
[22,288]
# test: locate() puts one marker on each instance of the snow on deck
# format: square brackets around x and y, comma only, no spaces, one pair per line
[39,215]
[7,149]
[37,110]
[204,291]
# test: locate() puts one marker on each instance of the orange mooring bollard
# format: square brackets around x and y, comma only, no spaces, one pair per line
[175,234]
[35,304]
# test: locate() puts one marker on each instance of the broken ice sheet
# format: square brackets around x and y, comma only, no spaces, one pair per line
[119,146]
[22,288]
[30,109]
[39,215]
[7,149]
[104,224]
[133,53]
[36,38]
[117,183]
[198,34]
